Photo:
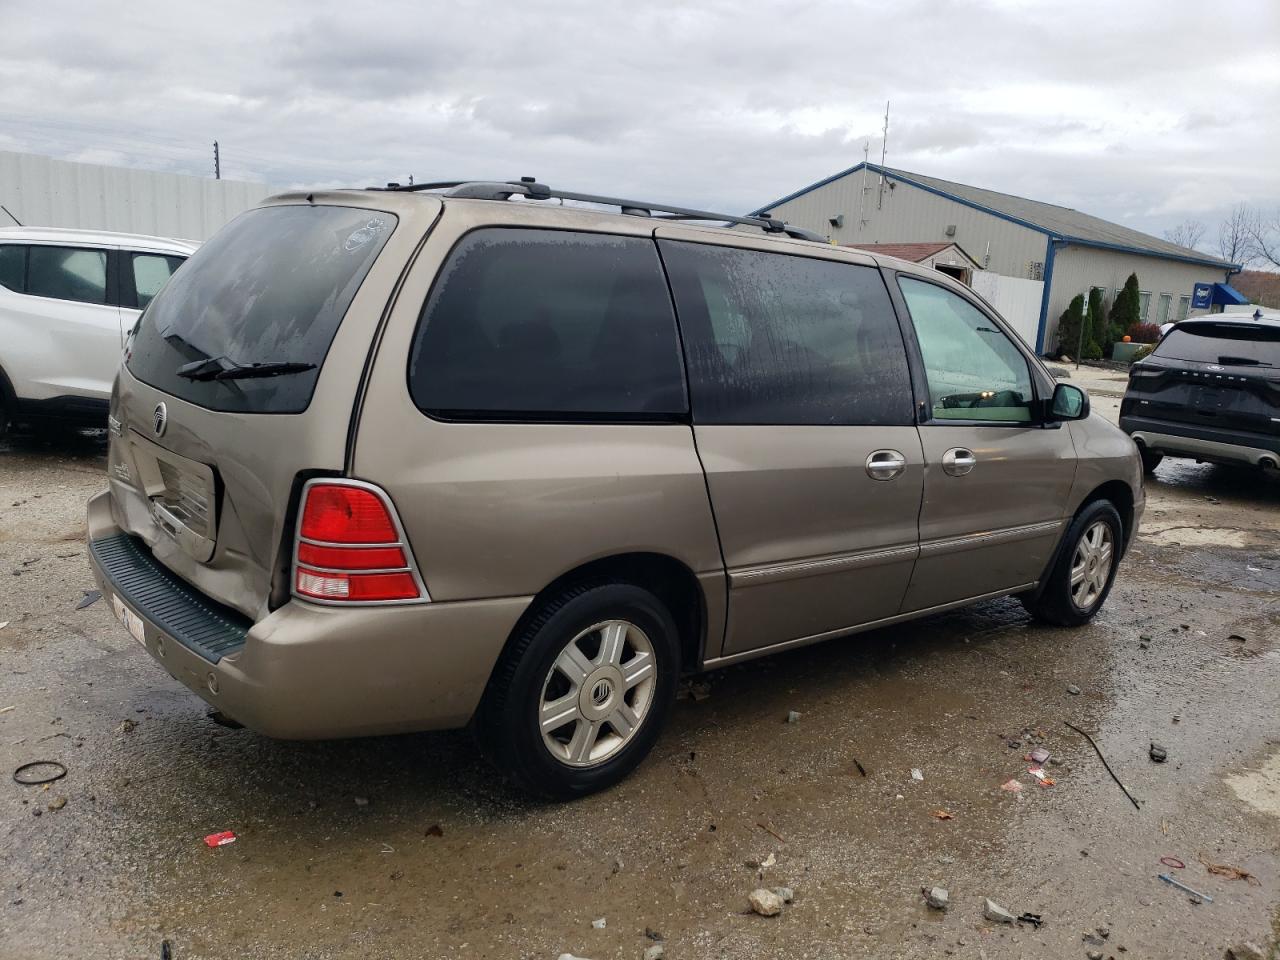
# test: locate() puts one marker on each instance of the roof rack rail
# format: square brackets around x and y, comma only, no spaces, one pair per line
[530,189]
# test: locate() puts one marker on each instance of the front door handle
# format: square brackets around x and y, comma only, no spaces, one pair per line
[958,461]
[885,464]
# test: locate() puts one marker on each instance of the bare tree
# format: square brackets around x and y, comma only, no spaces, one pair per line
[1188,233]
[1264,234]
[1235,235]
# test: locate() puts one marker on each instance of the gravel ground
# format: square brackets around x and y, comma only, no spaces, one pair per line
[445,861]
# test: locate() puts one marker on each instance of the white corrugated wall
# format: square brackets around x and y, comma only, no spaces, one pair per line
[44,192]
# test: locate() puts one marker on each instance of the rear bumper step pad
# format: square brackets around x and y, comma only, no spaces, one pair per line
[204,626]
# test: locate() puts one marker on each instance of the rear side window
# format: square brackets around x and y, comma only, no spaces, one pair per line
[67,273]
[778,339]
[150,271]
[1225,344]
[271,287]
[548,324]
[13,267]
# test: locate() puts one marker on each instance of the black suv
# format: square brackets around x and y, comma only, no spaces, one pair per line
[1210,391]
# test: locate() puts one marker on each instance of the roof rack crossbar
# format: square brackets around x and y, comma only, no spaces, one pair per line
[529,188]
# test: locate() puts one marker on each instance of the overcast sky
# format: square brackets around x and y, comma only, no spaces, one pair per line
[1141,112]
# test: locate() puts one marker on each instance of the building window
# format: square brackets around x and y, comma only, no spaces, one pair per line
[1184,307]
[1144,304]
[1166,302]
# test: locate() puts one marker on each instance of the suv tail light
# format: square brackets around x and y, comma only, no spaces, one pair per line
[350,547]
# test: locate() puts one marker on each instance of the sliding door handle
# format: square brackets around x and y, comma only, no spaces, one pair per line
[958,461]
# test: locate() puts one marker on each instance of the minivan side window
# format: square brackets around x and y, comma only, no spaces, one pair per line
[973,369]
[548,325]
[779,339]
[150,271]
[67,273]
[13,267]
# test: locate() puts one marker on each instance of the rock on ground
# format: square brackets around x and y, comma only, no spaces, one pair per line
[765,902]
[994,912]
[938,898]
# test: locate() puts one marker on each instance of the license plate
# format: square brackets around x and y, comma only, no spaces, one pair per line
[128,618]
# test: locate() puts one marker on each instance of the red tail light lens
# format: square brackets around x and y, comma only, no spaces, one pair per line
[342,514]
[348,547]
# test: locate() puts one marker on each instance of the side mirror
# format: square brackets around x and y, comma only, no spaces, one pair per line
[1069,403]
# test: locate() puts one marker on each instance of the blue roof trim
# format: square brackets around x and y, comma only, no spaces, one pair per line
[963,201]
[1051,251]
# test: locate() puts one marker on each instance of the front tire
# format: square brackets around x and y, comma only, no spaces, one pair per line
[582,692]
[1082,577]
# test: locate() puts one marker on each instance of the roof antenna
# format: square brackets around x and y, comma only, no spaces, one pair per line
[884,148]
[862,199]
[11,216]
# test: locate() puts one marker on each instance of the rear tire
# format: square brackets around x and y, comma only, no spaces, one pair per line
[1150,459]
[582,692]
[1082,577]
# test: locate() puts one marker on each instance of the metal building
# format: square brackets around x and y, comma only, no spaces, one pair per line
[1068,251]
[43,192]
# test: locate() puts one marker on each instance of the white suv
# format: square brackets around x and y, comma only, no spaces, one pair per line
[68,299]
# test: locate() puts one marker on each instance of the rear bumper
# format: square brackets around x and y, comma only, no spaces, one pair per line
[1204,443]
[307,671]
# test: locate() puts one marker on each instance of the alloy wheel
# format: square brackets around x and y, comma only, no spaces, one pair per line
[1091,565]
[597,693]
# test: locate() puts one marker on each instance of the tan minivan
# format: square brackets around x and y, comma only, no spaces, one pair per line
[404,459]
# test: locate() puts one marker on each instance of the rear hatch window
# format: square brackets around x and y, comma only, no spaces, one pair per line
[245,325]
[1223,344]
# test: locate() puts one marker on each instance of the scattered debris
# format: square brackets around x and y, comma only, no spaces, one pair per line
[1183,887]
[765,902]
[937,897]
[996,913]
[1073,690]
[696,690]
[126,725]
[1173,862]
[31,774]
[1012,786]
[90,597]
[166,950]
[434,831]
[1239,637]
[786,894]
[599,924]
[942,815]
[569,956]
[653,935]
[219,839]
[793,716]
[1098,750]
[917,774]
[3,624]
[1230,872]
[1034,919]
[7,709]
[1041,777]
[1103,932]
[859,766]
[767,828]
[57,803]
[1039,756]
[1093,955]
[1158,753]
[654,952]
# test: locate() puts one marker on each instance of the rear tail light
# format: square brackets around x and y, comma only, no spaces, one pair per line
[350,547]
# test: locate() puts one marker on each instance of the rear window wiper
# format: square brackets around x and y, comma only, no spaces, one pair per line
[224,368]
[1244,361]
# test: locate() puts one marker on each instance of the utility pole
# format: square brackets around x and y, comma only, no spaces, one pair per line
[884,147]
[217,162]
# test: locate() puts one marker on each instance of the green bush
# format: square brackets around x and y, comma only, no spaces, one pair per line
[1069,325]
[1124,312]
[1097,339]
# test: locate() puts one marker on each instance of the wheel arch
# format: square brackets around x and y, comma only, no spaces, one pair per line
[667,578]
[1119,494]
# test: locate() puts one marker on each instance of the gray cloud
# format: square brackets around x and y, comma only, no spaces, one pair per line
[1117,109]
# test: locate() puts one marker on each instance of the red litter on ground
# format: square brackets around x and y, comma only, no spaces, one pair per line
[220,839]
[1041,777]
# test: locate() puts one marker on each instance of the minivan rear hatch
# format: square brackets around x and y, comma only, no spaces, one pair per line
[1222,374]
[239,383]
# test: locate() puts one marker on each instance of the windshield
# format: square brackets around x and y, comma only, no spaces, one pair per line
[271,287]
[1226,344]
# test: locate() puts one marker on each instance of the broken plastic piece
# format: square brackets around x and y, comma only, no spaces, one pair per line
[1182,886]
[219,839]
[1038,756]
[1041,777]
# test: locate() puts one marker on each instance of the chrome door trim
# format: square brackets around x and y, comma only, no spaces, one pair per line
[823,566]
[860,628]
[1029,531]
